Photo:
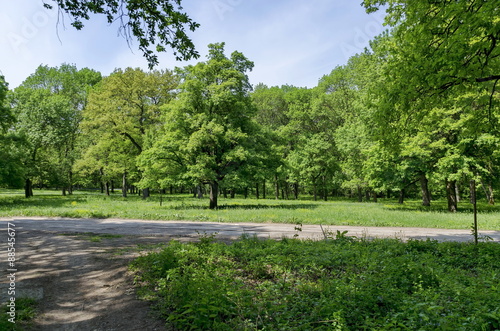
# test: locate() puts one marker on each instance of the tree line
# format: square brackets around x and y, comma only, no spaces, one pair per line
[415,114]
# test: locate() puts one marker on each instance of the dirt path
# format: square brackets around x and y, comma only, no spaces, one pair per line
[80,284]
[83,284]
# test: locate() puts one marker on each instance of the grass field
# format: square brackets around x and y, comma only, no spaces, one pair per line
[185,207]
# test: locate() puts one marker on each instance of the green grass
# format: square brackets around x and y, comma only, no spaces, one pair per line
[341,284]
[25,312]
[184,207]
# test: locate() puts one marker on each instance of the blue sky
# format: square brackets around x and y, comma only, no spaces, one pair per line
[292,42]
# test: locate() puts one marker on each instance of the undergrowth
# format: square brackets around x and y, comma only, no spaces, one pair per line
[339,284]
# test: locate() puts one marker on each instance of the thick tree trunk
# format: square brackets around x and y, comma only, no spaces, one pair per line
[424,186]
[232,193]
[457,192]
[102,187]
[375,197]
[124,185]
[401,196]
[64,191]
[214,193]
[106,187]
[145,193]
[360,194]
[199,191]
[28,188]
[451,196]
[367,195]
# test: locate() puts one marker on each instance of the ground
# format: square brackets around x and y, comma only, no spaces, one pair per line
[82,281]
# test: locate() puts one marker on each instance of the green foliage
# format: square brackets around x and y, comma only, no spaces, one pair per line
[156,24]
[26,310]
[335,285]
[209,130]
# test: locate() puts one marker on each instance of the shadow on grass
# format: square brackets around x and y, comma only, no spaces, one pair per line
[442,207]
[245,206]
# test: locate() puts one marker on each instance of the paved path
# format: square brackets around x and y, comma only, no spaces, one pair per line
[229,230]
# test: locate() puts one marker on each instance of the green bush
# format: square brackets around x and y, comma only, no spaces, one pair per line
[334,285]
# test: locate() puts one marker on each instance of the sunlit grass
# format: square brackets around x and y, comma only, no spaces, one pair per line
[185,207]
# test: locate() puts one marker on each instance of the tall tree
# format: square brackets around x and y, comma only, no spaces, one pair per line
[11,170]
[156,24]
[209,129]
[48,106]
[124,109]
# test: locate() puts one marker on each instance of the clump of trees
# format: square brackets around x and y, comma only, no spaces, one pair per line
[416,114]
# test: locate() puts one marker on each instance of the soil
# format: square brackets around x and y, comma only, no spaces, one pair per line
[82,284]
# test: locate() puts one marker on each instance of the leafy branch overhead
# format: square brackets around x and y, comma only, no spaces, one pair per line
[156,24]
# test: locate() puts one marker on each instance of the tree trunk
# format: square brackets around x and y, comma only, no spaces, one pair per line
[257,190]
[375,197]
[315,194]
[360,194]
[367,195]
[64,191]
[276,187]
[232,193]
[295,191]
[457,192]
[451,196]
[488,191]
[325,189]
[102,187]
[225,193]
[199,192]
[145,193]
[70,185]
[401,196]
[245,192]
[264,189]
[214,193]
[28,188]
[124,184]
[426,196]
[106,187]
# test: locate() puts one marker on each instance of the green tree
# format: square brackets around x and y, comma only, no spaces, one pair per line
[156,24]
[122,110]
[48,107]
[11,170]
[209,129]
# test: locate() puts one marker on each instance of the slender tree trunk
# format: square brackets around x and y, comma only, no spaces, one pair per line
[473,198]
[70,186]
[424,186]
[295,191]
[124,184]
[457,192]
[401,196]
[245,192]
[367,195]
[112,186]
[225,192]
[106,187]
[360,194]
[375,197]
[232,193]
[257,190]
[64,191]
[171,189]
[199,191]
[214,193]
[315,194]
[276,187]
[325,189]
[145,193]
[264,189]
[451,196]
